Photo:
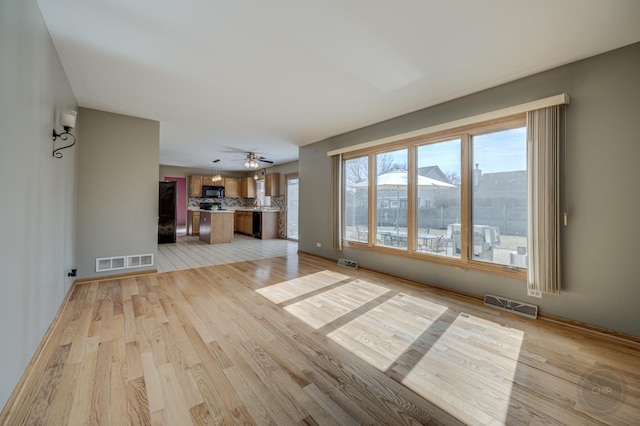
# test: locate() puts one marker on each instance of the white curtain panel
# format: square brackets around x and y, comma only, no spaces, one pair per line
[336,202]
[543,145]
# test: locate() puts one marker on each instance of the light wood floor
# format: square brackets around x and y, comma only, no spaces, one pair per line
[296,339]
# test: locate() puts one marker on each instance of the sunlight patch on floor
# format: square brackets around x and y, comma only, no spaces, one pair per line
[469,369]
[322,309]
[462,363]
[287,290]
[385,333]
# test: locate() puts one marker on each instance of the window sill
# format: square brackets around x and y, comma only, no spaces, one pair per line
[517,273]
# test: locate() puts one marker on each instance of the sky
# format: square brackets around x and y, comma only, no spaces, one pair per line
[494,152]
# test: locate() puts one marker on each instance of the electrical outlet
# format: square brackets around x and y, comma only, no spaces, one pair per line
[534,293]
[318,244]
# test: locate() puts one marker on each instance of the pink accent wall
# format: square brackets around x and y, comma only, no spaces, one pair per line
[181,208]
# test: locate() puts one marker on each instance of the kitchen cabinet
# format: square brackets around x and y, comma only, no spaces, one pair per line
[257,223]
[216,227]
[269,225]
[232,188]
[244,224]
[272,185]
[211,181]
[196,182]
[248,187]
[193,222]
[195,186]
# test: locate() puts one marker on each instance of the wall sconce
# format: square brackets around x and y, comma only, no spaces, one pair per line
[68,122]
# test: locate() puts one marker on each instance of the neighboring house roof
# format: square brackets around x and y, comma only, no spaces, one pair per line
[515,181]
[433,172]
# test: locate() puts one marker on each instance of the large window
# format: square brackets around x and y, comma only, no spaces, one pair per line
[391,199]
[499,196]
[356,199]
[438,201]
[458,197]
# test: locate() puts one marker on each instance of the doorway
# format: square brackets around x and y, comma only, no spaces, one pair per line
[181,203]
[292,193]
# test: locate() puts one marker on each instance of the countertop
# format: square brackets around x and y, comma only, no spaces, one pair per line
[212,211]
[262,209]
[239,209]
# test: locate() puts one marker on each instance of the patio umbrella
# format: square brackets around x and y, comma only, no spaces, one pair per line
[397,179]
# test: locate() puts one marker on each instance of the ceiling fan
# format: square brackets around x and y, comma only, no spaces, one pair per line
[252,161]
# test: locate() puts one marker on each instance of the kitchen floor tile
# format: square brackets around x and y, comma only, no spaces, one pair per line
[189,252]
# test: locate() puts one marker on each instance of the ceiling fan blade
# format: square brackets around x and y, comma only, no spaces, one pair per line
[215,161]
[265,161]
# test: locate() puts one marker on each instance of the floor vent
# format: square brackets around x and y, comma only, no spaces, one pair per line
[520,308]
[348,263]
[139,260]
[105,264]
[110,263]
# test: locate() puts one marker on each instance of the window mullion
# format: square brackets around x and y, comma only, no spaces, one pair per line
[373,227]
[412,194]
[465,214]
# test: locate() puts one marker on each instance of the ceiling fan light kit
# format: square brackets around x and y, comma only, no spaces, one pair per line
[253,162]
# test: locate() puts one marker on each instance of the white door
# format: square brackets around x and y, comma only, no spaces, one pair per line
[292,206]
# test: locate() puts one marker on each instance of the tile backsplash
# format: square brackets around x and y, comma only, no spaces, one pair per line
[194,203]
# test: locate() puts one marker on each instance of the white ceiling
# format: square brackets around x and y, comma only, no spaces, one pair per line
[272,75]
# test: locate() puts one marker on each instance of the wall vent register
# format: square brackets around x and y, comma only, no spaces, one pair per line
[520,308]
[104,264]
[352,264]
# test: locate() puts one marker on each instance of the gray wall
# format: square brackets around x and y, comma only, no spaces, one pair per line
[37,191]
[600,282]
[117,189]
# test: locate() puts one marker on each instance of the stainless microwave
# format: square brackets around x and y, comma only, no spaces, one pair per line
[209,191]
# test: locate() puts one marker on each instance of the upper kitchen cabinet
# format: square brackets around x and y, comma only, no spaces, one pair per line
[272,185]
[232,188]
[248,187]
[212,181]
[195,186]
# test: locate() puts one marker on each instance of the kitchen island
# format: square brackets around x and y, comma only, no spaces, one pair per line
[259,223]
[216,226]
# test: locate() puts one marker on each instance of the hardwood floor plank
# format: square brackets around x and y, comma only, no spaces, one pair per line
[265,394]
[130,333]
[118,391]
[101,398]
[177,409]
[80,338]
[64,395]
[210,395]
[152,385]
[340,416]
[200,415]
[39,412]
[267,370]
[83,392]
[298,340]
[134,361]
[118,348]
[137,406]
[258,412]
